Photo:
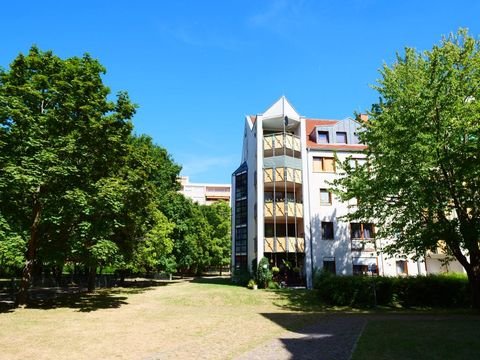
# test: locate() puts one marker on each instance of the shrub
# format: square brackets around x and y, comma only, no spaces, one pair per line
[344,290]
[273,285]
[429,291]
[264,275]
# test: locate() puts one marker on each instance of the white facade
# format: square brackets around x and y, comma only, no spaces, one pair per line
[204,194]
[283,209]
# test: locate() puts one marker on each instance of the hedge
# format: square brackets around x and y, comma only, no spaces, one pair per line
[413,291]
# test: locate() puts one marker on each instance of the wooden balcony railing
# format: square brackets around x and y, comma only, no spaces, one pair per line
[281,174]
[292,244]
[282,209]
[277,142]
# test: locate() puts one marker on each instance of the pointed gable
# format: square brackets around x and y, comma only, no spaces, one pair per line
[281,109]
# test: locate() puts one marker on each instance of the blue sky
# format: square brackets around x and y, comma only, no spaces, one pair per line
[195,68]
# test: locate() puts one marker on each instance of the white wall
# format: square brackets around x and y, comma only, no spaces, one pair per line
[341,245]
[251,158]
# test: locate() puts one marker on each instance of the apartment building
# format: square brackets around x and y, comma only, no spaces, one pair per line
[282,207]
[204,194]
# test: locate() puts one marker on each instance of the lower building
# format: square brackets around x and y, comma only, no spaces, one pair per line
[282,207]
[204,194]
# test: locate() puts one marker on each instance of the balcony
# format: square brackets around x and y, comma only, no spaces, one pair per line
[281,144]
[283,244]
[282,174]
[363,245]
[217,192]
[283,209]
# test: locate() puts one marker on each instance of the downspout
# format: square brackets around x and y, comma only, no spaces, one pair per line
[309,215]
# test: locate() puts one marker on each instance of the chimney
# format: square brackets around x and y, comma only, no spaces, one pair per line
[362,117]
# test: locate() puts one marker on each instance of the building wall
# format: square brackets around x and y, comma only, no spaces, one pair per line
[342,249]
[200,193]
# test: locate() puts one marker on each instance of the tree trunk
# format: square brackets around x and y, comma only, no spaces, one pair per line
[92,273]
[22,296]
[122,274]
[472,268]
[474,281]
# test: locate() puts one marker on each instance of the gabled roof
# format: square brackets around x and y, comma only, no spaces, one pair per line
[310,124]
[281,108]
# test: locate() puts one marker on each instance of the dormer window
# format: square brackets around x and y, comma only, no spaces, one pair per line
[322,137]
[341,137]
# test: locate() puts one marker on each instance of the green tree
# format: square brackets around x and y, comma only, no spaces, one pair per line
[190,234]
[60,136]
[421,183]
[219,240]
[12,249]
[144,236]
[152,251]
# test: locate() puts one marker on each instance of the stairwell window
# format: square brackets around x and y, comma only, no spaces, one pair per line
[325,197]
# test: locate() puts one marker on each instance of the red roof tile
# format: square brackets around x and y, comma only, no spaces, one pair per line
[311,123]
[347,147]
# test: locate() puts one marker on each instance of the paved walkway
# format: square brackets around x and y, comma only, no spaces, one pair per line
[332,338]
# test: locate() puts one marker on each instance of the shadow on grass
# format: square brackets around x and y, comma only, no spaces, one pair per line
[84,302]
[214,280]
[75,297]
[301,300]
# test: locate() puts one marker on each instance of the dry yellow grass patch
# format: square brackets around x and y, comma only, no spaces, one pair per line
[179,320]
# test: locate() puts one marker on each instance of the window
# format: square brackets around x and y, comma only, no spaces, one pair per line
[281,230]
[354,163]
[241,212]
[325,197]
[241,248]
[241,240]
[327,230]
[322,137]
[241,262]
[323,164]
[241,221]
[401,266]
[360,269]
[365,266]
[241,186]
[341,137]
[269,230]
[329,265]
[361,231]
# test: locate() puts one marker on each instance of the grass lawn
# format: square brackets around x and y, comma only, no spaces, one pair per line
[200,319]
[211,319]
[412,338]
